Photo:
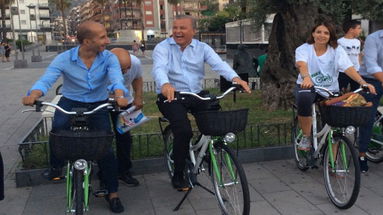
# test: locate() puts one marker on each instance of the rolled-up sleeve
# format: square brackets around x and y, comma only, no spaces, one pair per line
[218,65]
[160,65]
[115,75]
[52,73]
[371,55]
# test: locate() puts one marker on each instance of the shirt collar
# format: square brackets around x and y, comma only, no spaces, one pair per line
[75,51]
[192,44]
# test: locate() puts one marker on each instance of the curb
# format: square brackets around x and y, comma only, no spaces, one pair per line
[34,177]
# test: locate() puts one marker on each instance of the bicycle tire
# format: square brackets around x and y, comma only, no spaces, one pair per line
[374,150]
[78,192]
[234,201]
[300,157]
[343,185]
[168,150]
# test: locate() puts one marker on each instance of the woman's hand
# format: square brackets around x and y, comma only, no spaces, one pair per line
[307,83]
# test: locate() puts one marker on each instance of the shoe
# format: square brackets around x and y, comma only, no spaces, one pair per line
[179,183]
[115,204]
[305,144]
[363,164]
[129,180]
[53,174]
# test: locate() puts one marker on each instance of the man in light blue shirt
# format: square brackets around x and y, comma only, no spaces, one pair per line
[87,71]
[178,65]
[372,71]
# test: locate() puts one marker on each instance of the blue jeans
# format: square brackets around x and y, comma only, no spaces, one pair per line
[366,131]
[97,121]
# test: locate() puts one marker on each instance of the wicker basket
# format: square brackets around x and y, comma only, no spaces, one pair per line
[68,145]
[217,123]
[338,116]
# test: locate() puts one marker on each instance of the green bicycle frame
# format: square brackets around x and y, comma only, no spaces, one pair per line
[69,187]
[215,164]
[342,149]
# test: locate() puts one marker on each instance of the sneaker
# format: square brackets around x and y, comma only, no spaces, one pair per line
[179,183]
[363,164]
[115,204]
[53,174]
[129,180]
[305,144]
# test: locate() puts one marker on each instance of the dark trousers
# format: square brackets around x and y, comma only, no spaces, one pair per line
[97,121]
[344,81]
[366,131]
[123,147]
[176,112]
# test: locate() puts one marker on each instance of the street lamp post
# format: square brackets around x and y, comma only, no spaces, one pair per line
[34,58]
[23,62]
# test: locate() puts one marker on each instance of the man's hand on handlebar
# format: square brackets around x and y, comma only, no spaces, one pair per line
[307,83]
[243,84]
[31,99]
[168,90]
[370,88]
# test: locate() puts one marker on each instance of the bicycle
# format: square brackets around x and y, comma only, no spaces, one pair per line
[375,147]
[79,146]
[341,169]
[211,150]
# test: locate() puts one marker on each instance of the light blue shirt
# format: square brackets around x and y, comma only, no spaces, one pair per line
[80,83]
[135,72]
[185,70]
[373,55]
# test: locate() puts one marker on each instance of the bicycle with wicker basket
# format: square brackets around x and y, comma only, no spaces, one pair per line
[212,164]
[332,148]
[79,146]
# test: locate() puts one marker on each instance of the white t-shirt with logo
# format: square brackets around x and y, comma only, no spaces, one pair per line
[324,69]
[352,48]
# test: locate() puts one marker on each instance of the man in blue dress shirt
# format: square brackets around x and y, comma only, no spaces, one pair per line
[372,71]
[87,71]
[178,65]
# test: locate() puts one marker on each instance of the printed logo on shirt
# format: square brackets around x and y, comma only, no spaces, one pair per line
[322,80]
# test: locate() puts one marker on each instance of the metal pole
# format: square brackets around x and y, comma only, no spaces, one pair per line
[30,26]
[13,33]
[37,38]
[21,41]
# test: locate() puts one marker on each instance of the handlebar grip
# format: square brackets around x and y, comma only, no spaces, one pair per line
[38,105]
[237,86]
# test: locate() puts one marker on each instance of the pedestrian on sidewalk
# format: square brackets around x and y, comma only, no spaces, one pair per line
[7,48]
[143,47]
[135,47]
[2,52]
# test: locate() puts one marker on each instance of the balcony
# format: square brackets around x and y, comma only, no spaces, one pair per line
[45,16]
[44,6]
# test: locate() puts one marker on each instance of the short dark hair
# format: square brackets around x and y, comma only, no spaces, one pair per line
[331,28]
[84,31]
[194,21]
[350,24]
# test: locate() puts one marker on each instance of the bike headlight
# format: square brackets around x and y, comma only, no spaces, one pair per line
[80,164]
[229,137]
[350,130]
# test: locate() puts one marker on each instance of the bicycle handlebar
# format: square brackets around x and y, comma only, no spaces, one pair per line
[331,94]
[233,88]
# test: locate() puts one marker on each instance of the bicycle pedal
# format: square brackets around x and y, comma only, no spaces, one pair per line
[100,193]
[58,179]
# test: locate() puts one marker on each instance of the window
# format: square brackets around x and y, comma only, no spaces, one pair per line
[23,22]
[148,2]
[149,22]
[148,12]
[22,11]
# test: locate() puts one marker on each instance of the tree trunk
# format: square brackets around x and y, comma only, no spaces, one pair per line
[290,29]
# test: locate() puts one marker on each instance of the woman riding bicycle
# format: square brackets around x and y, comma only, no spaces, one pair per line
[319,61]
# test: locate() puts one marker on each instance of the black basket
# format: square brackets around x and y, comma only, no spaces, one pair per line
[338,116]
[218,123]
[90,145]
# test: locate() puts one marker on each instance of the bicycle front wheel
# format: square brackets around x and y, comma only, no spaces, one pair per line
[168,151]
[341,172]
[375,148]
[229,181]
[301,157]
[78,192]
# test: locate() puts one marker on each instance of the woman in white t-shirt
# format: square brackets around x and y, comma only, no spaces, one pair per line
[318,62]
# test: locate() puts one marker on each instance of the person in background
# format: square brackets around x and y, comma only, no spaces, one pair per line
[7,48]
[143,47]
[261,62]
[372,71]
[352,46]
[242,63]
[135,47]
[2,52]
[132,71]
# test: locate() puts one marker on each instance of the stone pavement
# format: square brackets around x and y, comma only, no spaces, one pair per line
[277,187]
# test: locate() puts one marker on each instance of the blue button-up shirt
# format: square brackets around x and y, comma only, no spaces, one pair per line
[80,83]
[185,70]
[373,55]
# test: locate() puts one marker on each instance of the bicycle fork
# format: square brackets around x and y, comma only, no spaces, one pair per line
[85,170]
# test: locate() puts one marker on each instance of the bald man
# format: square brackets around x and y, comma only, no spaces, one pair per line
[88,71]
[132,71]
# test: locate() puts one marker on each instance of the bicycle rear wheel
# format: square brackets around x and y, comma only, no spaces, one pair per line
[229,181]
[301,157]
[168,151]
[342,178]
[78,192]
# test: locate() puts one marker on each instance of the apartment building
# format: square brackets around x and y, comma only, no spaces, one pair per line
[29,20]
